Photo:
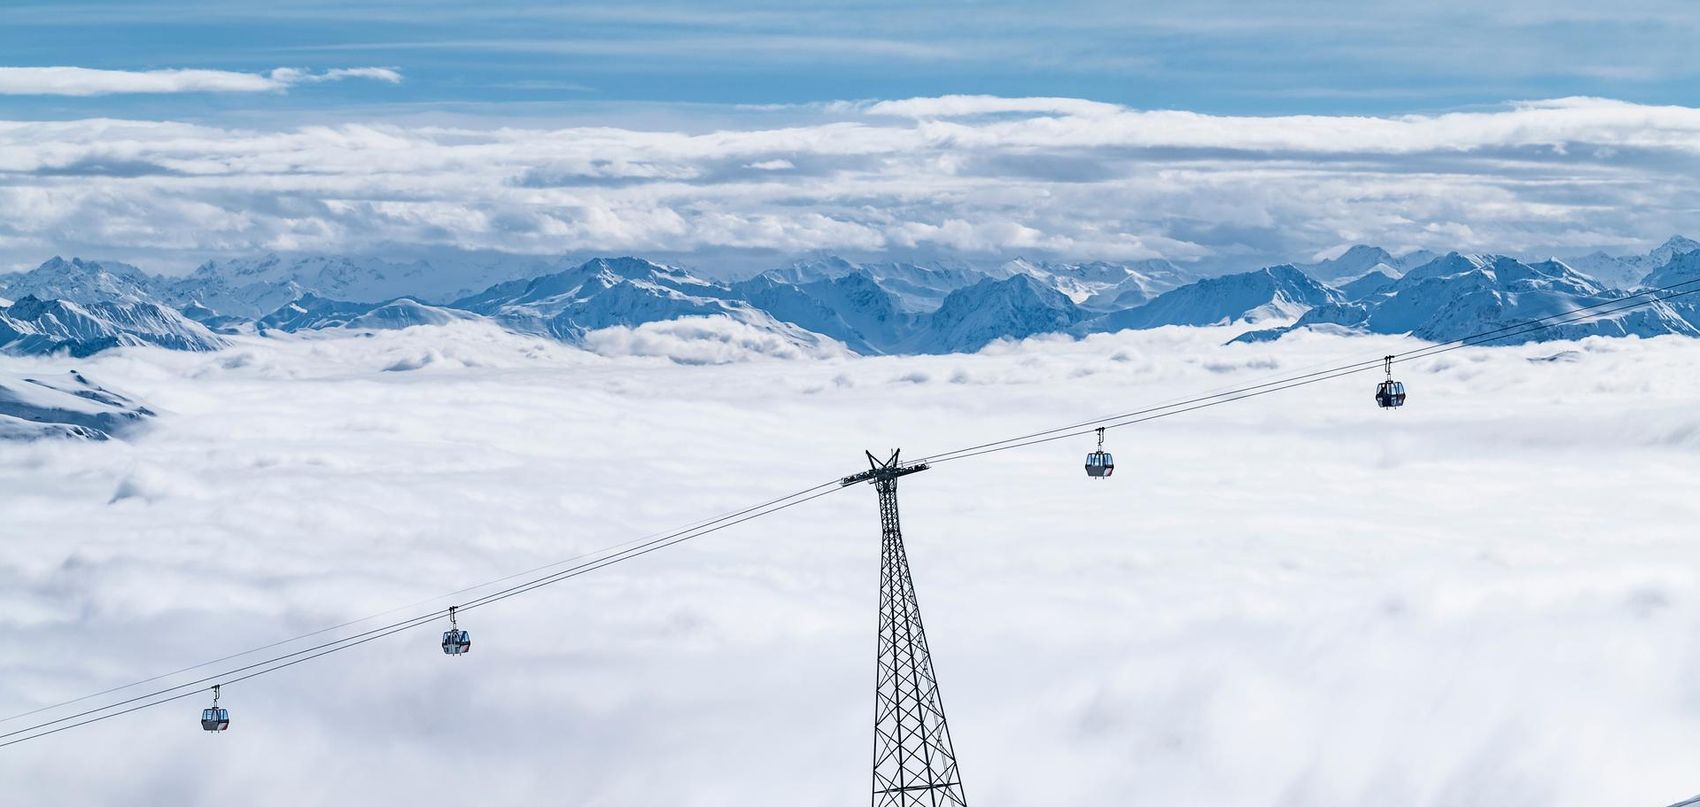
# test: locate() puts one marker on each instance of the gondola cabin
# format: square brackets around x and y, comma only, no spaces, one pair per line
[216,718]
[1390,394]
[456,642]
[1099,464]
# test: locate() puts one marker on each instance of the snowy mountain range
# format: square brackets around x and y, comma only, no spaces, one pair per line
[33,326]
[1457,296]
[1630,271]
[1361,260]
[256,287]
[889,307]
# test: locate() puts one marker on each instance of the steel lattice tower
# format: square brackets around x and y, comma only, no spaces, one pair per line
[914,762]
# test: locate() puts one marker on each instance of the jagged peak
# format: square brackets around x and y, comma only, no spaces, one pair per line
[1364,250]
[1285,270]
[626,266]
[58,262]
[1358,258]
[1452,263]
[823,260]
[1015,288]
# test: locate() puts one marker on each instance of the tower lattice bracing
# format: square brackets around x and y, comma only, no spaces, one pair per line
[914,762]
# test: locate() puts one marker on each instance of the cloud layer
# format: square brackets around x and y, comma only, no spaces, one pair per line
[83,81]
[1296,600]
[971,176]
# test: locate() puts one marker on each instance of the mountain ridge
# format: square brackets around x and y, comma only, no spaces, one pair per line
[869,308]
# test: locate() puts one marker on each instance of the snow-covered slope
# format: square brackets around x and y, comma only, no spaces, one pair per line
[35,326]
[1681,276]
[1457,296]
[1368,285]
[65,406]
[1276,292]
[853,308]
[214,321]
[1100,285]
[406,313]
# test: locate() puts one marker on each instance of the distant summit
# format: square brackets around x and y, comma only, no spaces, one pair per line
[1630,271]
[1361,260]
[1276,292]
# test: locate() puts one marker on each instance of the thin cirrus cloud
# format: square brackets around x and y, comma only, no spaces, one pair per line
[970,176]
[84,81]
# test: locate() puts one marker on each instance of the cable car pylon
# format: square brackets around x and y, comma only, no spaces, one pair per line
[914,761]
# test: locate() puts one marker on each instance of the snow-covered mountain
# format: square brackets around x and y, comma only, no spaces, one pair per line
[871,308]
[1368,285]
[857,310]
[1354,263]
[64,406]
[1361,260]
[82,282]
[313,312]
[1016,308]
[1457,296]
[853,308]
[255,287]
[34,326]
[1275,292]
[1630,271]
[916,288]
[602,293]
[1682,277]
[406,313]
[1101,285]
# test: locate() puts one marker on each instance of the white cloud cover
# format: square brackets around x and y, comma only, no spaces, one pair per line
[977,176]
[1297,600]
[84,81]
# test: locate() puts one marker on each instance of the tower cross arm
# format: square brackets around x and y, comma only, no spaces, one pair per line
[879,470]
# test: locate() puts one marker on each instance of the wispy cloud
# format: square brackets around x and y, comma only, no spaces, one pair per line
[84,81]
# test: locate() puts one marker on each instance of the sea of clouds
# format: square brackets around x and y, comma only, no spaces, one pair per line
[1490,597]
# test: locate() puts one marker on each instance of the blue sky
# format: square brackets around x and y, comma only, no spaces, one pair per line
[1226,132]
[1223,57]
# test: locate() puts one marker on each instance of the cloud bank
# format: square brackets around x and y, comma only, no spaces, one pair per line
[964,175]
[84,81]
[1294,600]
